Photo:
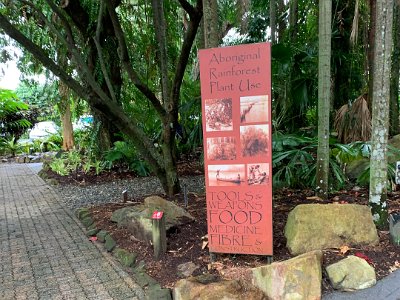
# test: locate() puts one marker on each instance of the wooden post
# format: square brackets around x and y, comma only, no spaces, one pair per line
[159,234]
[125,196]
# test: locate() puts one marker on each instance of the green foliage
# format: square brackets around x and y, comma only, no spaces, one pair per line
[14,115]
[124,154]
[59,166]
[294,162]
[10,145]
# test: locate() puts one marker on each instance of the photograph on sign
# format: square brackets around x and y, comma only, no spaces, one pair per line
[253,109]
[218,114]
[221,148]
[254,140]
[258,174]
[226,175]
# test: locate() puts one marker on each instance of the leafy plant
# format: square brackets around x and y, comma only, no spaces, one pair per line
[294,161]
[58,165]
[14,115]
[10,145]
[124,154]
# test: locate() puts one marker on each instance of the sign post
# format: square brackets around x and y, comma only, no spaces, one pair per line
[236,107]
[159,234]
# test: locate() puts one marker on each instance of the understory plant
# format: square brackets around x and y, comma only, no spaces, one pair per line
[72,161]
[125,155]
[294,162]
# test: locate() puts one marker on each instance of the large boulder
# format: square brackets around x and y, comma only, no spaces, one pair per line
[197,288]
[320,226]
[351,273]
[296,278]
[137,219]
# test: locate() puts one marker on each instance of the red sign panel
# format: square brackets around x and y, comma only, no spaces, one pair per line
[236,106]
[157,215]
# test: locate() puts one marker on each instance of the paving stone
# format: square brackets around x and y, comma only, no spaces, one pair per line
[44,252]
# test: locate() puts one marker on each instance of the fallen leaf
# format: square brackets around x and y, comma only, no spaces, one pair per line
[314,198]
[205,243]
[344,249]
[363,256]
[395,267]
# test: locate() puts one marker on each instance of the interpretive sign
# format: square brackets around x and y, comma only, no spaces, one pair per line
[236,106]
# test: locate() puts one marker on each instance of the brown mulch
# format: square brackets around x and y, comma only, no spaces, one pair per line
[185,242]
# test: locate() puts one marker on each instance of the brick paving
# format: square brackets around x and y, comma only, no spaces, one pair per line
[44,253]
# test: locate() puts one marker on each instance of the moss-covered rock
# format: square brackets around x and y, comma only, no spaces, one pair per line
[101,235]
[320,226]
[125,257]
[109,243]
[296,278]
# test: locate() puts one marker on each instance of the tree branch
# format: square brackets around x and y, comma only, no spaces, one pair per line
[160,28]
[124,55]
[41,55]
[187,7]
[185,51]
[100,52]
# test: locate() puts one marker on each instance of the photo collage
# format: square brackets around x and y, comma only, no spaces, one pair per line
[227,145]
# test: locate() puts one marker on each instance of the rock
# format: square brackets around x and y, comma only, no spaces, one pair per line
[297,278]
[82,213]
[109,243]
[125,257]
[351,273]
[191,288]
[143,280]
[137,219]
[87,221]
[156,292]
[51,181]
[20,160]
[92,232]
[101,235]
[186,269]
[320,226]
[356,167]
[174,213]
[4,160]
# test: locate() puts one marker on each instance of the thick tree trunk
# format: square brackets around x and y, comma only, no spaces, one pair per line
[324,92]
[210,21]
[65,111]
[395,73]
[380,112]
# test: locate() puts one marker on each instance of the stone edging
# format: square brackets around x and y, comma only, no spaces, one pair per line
[153,289]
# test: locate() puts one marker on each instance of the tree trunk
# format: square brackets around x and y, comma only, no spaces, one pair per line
[293,21]
[210,21]
[272,20]
[380,112]
[243,9]
[324,92]
[281,20]
[395,73]
[371,46]
[65,110]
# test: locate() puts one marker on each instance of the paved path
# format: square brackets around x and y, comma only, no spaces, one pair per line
[44,253]
[387,288]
